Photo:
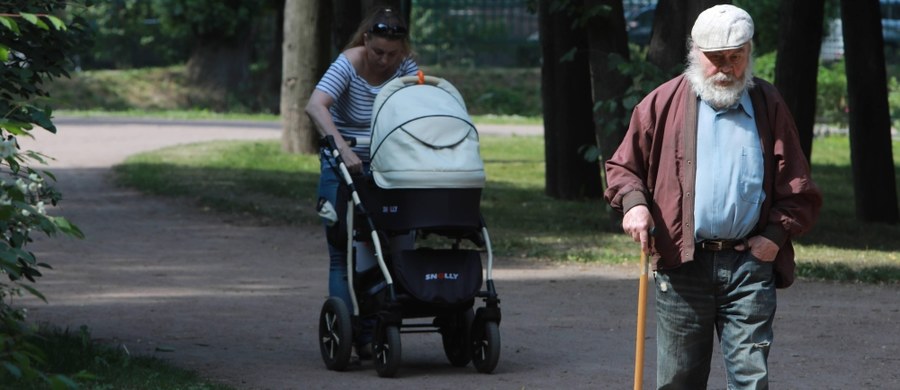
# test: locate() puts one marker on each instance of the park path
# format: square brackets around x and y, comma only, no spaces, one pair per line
[239,303]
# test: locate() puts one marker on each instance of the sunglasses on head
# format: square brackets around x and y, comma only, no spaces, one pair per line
[383,29]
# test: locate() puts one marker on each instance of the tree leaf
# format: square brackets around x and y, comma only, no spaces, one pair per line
[57,22]
[34,292]
[10,24]
[43,120]
[67,227]
[31,18]
[629,102]
[13,369]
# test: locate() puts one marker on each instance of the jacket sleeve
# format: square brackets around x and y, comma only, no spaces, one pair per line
[626,170]
[797,200]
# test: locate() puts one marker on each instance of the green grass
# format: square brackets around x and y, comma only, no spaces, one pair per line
[96,366]
[257,182]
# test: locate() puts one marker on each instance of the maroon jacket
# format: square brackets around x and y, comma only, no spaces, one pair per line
[654,166]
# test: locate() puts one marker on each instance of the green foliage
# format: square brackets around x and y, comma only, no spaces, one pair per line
[33,44]
[643,78]
[206,19]
[764,66]
[831,96]
[127,33]
[499,91]
[894,101]
[82,363]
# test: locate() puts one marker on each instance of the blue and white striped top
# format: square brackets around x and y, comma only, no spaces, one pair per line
[354,97]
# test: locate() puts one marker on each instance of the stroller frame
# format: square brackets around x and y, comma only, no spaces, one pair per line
[467,334]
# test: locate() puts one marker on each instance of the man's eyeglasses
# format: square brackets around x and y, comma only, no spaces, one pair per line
[383,29]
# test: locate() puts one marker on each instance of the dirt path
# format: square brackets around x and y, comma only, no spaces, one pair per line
[240,303]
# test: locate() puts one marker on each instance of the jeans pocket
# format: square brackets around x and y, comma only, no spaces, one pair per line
[757,270]
[662,282]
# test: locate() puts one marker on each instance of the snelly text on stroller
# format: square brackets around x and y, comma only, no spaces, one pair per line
[414,233]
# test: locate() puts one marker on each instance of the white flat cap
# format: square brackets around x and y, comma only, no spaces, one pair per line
[722,27]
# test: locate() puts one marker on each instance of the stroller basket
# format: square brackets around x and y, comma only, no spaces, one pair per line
[440,276]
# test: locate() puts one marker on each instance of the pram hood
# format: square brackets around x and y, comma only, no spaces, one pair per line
[423,137]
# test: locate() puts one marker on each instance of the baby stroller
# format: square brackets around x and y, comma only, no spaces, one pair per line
[414,233]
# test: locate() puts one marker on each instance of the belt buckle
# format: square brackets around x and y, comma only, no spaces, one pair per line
[712,245]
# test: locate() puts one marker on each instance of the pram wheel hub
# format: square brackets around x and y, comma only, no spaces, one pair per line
[486,346]
[388,352]
[335,334]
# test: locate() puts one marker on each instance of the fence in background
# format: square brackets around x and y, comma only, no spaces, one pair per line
[475,33]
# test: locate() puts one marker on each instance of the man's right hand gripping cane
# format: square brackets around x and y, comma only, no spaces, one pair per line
[639,223]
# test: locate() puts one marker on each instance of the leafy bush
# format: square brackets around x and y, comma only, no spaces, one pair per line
[831,96]
[764,67]
[33,44]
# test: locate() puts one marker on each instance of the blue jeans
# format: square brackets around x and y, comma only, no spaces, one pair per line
[329,181]
[728,293]
[337,272]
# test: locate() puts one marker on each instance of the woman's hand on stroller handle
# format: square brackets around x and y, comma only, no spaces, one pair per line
[344,154]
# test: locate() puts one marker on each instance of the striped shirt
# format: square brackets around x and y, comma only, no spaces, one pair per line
[354,97]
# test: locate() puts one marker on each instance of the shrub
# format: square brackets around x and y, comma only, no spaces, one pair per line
[33,43]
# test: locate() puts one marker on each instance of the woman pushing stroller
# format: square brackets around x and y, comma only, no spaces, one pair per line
[341,107]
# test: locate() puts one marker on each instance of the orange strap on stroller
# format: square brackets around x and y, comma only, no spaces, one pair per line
[421,75]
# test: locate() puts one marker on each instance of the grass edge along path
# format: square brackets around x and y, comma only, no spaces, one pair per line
[259,182]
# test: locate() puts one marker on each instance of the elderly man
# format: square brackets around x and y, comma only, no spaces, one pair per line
[714,185]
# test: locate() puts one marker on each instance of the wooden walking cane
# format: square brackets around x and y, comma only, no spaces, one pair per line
[641,324]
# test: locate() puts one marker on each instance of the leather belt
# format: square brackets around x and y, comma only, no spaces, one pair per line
[719,245]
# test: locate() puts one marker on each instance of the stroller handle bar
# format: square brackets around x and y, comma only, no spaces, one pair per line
[328,141]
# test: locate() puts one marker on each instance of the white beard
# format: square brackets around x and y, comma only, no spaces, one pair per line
[717,96]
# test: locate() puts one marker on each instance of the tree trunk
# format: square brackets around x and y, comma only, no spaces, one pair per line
[221,67]
[566,94]
[607,36]
[797,62]
[271,80]
[347,16]
[874,182]
[672,25]
[306,56]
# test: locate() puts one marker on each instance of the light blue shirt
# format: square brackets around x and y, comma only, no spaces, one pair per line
[729,187]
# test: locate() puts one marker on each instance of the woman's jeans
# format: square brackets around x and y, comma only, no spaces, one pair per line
[329,181]
[729,293]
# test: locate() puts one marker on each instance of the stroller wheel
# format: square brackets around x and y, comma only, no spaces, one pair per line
[485,346]
[335,334]
[455,336]
[387,352]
